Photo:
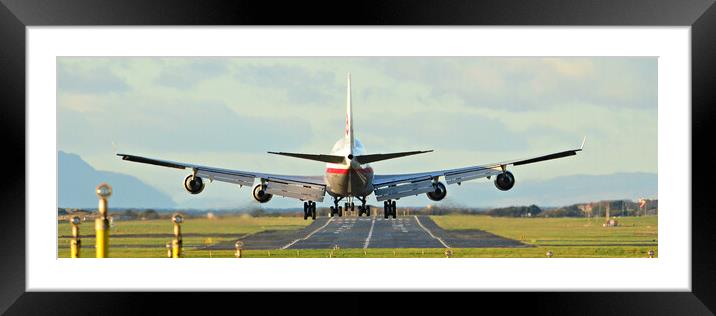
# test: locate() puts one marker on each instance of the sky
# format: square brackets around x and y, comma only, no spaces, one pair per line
[228,112]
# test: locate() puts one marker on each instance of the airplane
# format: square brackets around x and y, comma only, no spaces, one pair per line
[349,175]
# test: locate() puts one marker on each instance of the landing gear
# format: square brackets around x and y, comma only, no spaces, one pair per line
[389,209]
[309,209]
[350,206]
[363,209]
[337,209]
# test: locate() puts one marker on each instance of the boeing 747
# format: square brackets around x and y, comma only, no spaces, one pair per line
[349,175]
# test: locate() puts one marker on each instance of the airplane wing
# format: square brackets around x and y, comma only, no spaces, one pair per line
[401,185]
[309,188]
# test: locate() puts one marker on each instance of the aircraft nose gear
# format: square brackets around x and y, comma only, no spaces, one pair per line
[349,206]
[309,209]
[389,209]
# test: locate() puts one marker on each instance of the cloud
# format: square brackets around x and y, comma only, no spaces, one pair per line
[96,80]
[189,74]
[443,129]
[299,85]
[528,84]
[176,126]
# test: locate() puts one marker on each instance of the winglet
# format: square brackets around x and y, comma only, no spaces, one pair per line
[584,140]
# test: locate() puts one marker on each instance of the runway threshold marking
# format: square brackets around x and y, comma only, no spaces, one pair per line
[430,233]
[370,233]
[310,234]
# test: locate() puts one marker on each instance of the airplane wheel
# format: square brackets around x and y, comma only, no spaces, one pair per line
[332,211]
[367,211]
[353,207]
[340,211]
[313,211]
[393,209]
[305,211]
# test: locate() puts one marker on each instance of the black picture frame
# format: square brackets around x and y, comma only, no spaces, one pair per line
[700,15]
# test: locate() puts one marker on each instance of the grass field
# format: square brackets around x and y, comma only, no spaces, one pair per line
[565,237]
[560,231]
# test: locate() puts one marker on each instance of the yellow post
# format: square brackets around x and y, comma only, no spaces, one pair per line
[75,242]
[176,248]
[238,246]
[101,224]
[448,253]
[177,242]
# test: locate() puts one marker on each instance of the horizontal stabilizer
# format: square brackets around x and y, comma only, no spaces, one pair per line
[363,159]
[320,157]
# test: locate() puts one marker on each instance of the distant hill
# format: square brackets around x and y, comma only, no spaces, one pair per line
[77,181]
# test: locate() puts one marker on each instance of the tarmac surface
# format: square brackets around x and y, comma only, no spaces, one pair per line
[375,232]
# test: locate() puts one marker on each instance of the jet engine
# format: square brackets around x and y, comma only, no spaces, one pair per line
[439,193]
[260,194]
[505,181]
[193,185]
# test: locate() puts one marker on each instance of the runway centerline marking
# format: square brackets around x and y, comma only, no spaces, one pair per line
[370,233]
[345,227]
[309,235]
[430,233]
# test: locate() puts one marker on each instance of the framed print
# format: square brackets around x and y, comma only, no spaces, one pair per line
[163,99]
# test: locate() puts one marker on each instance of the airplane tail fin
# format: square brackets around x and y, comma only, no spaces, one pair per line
[349,118]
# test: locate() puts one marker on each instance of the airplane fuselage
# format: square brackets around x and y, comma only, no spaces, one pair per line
[349,178]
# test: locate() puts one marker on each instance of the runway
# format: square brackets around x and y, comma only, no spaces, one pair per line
[377,232]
